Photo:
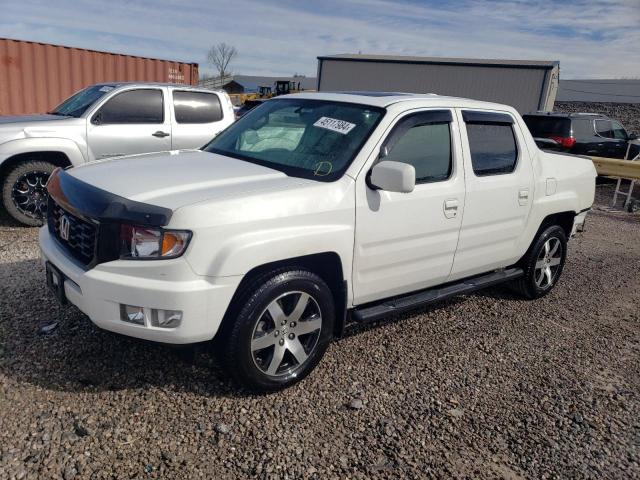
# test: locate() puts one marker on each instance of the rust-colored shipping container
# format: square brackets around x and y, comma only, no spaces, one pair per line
[35,77]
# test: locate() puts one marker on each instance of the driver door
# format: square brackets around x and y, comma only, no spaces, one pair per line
[407,241]
[130,122]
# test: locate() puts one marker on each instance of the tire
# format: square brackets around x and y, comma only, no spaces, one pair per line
[269,341]
[24,192]
[542,264]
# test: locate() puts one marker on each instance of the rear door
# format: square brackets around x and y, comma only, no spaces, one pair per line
[499,189]
[406,241]
[197,118]
[132,121]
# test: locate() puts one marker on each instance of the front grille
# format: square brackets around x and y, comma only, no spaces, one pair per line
[83,235]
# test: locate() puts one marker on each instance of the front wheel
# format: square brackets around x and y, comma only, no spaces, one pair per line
[282,327]
[24,192]
[543,263]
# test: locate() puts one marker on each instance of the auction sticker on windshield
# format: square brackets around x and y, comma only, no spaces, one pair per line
[335,125]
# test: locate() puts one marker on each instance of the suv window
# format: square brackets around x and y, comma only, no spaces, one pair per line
[196,107]
[582,128]
[603,128]
[133,106]
[547,126]
[424,141]
[493,146]
[618,131]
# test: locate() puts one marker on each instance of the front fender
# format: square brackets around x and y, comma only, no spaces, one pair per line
[45,144]
[245,252]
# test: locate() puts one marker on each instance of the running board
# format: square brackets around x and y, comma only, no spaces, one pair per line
[425,297]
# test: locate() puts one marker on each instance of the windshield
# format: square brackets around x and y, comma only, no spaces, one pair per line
[307,138]
[79,102]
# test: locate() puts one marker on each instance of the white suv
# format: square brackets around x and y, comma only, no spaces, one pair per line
[312,211]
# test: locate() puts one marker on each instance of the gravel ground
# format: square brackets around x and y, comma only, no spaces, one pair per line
[484,386]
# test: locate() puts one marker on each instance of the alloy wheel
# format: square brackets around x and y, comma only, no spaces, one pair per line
[286,333]
[548,263]
[29,193]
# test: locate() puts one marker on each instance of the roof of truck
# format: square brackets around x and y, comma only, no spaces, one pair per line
[384,99]
[154,84]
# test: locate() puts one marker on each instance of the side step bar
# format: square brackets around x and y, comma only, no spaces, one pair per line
[410,301]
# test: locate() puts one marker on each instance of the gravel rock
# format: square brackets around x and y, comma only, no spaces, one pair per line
[483,386]
[356,404]
[223,428]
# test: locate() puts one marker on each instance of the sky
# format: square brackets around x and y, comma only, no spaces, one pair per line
[591,39]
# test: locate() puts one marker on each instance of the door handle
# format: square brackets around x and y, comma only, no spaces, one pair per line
[451,208]
[160,134]
[523,196]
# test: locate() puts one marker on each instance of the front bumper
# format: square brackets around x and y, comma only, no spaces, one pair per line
[162,284]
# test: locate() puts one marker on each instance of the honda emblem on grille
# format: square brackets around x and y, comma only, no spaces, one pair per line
[64,227]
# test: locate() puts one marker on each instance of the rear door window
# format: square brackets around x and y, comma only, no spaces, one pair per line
[196,107]
[492,142]
[582,128]
[131,107]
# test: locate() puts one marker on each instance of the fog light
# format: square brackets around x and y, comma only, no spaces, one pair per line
[166,318]
[131,314]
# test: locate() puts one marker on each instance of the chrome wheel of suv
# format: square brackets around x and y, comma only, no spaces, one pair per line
[277,328]
[548,263]
[286,334]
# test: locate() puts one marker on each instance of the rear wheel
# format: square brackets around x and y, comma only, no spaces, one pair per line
[24,192]
[282,327]
[543,263]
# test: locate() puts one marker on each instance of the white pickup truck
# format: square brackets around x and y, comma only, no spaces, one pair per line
[101,121]
[312,211]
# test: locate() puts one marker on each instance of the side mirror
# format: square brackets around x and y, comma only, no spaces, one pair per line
[97,118]
[633,136]
[393,176]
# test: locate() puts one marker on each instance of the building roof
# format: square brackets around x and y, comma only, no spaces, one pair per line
[250,83]
[604,90]
[444,60]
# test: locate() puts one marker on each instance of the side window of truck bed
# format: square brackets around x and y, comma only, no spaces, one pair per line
[492,142]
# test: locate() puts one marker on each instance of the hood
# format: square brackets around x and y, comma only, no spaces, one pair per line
[30,118]
[179,178]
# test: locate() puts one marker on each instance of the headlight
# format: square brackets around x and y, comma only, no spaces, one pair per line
[152,243]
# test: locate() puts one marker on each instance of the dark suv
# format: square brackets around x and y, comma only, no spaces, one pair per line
[580,133]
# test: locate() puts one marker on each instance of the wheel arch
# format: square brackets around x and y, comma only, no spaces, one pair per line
[563,219]
[327,265]
[57,158]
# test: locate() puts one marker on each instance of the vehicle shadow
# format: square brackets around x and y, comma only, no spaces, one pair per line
[496,293]
[76,356]
[7,221]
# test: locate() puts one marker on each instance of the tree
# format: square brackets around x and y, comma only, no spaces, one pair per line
[219,57]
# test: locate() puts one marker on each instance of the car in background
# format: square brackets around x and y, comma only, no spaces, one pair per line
[247,106]
[580,133]
[102,121]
